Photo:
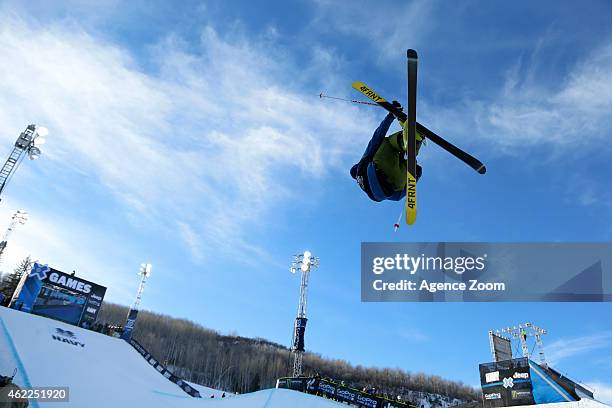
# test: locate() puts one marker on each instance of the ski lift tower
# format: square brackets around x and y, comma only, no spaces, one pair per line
[522,333]
[303,262]
[28,142]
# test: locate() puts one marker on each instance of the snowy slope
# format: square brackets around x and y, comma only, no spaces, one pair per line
[584,403]
[207,392]
[102,371]
[91,364]
[272,398]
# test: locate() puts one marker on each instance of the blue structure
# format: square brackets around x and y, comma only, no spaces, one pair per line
[545,389]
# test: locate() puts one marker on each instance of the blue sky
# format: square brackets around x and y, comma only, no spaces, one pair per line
[190,135]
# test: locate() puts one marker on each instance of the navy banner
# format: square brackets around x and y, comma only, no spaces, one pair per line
[298,335]
[129,325]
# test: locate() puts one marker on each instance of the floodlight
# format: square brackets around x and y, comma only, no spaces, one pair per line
[42,131]
[21,216]
[34,153]
[145,269]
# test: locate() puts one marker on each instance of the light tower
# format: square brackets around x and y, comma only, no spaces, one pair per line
[20,217]
[144,272]
[521,333]
[303,262]
[28,142]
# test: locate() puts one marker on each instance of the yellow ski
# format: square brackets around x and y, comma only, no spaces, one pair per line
[409,133]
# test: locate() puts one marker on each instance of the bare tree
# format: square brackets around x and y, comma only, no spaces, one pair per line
[235,363]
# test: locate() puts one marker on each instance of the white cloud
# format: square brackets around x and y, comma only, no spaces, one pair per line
[572,113]
[191,239]
[68,245]
[211,140]
[387,28]
[565,348]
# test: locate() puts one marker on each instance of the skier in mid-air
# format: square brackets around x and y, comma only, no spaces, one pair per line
[381,172]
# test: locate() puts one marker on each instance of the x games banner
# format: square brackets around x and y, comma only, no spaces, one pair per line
[48,292]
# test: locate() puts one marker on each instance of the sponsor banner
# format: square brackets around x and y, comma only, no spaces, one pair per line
[337,392]
[522,395]
[344,394]
[486,272]
[66,336]
[129,325]
[492,377]
[29,287]
[366,401]
[506,383]
[48,292]
[327,388]
[298,335]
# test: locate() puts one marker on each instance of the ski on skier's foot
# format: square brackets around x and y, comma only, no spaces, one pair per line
[410,139]
[401,116]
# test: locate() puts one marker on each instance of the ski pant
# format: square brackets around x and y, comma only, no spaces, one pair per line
[390,162]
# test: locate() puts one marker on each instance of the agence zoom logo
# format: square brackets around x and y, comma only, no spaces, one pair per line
[412,264]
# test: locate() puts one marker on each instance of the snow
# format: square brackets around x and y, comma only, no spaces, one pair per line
[207,392]
[103,371]
[583,403]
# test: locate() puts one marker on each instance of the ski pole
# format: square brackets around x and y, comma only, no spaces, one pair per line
[397,224]
[347,100]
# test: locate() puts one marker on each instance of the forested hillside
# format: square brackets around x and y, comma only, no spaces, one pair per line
[241,364]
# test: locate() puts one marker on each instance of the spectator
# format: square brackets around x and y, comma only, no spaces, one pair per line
[6,386]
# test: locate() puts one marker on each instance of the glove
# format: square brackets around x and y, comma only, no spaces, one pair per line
[397,105]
